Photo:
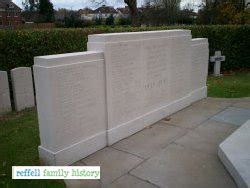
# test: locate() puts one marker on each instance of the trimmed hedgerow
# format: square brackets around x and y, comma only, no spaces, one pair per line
[18,47]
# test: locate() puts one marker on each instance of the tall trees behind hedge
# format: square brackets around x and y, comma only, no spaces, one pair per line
[46,11]
[168,12]
[161,12]
[43,8]
[223,12]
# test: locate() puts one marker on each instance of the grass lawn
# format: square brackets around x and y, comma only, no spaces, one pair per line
[19,136]
[233,85]
[19,139]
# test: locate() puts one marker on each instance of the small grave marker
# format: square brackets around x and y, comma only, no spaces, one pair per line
[22,85]
[217,58]
[5,105]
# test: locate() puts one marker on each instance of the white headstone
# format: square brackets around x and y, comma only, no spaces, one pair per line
[5,105]
[217,58]
[22,86]
[70,97]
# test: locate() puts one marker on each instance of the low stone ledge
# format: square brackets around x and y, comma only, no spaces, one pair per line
[234,152]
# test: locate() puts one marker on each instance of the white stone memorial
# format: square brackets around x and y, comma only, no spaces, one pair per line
[217,58]
[125,82]
[71,106]
[22,86]
[5,105]
[199,68]
[148,77]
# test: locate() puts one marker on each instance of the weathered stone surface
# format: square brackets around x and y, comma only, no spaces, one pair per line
[245,99]
[233,115]
[234,152]
[83,183]
[207,136]
[71,106]
[150,141]
[113,163]
[242,104]
[5,105]
[128,181]
[22,86]
[177,167]
[215,103]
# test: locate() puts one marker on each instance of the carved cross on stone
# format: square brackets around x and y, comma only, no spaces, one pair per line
[217,58]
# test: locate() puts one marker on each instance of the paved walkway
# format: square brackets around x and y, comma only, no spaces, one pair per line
[179,151]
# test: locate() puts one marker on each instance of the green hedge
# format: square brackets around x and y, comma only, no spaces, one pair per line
[17,48]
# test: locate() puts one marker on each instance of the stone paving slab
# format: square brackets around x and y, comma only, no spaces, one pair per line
[113,163]
[128,181]
[187,118]
[200,111]
[178,167]
[230,100]
[82,183]
[207,136]
[151,140]
[242,104]
[233,115]
[245,99]
[214,105]
[179,151]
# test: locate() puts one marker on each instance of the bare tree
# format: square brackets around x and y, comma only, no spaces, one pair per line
[172,8]
[163,11]
[30,5]
[132,4]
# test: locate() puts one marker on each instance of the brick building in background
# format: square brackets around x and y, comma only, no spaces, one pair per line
[10,14]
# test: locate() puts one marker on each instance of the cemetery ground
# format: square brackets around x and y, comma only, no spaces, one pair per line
[231,85]
[19,139]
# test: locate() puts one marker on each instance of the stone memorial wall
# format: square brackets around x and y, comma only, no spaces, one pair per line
[148,76]
[125,82]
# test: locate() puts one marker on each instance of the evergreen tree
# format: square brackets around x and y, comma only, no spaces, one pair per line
[110,20]
[46,11]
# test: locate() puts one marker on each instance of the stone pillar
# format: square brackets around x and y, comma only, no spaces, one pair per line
[5,105]
[22,85]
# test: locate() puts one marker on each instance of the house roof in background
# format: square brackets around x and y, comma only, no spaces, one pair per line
[86,11]
[105,10]
[7,4]
[124,10]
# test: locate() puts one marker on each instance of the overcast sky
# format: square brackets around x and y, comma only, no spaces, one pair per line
[77,4]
